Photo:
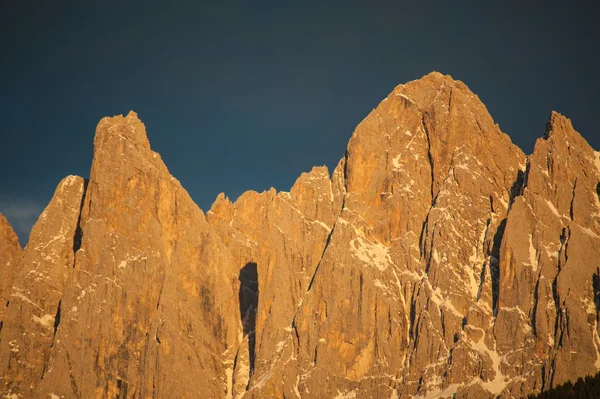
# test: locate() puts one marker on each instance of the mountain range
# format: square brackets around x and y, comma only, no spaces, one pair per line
[435,260]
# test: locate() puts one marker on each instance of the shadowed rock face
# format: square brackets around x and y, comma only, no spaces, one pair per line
[436,259]
[248,299]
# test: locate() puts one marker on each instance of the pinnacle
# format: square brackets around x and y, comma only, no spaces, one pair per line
[557,117]
[222,197]
[7,231]
[558,124]
[129,127]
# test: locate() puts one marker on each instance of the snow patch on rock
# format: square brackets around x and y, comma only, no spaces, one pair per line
[396,161]
[375,254]
[496,385]
[46,321]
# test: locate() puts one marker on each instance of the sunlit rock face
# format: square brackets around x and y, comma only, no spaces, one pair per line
[124,290]
[435,260]
[10,254]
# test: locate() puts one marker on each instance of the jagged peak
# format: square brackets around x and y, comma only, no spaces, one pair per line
[560,132]
[247,195]
[423,92]
[69,181]
[128,127]
[316,179]
[556,124]
[316,172]
[121,142]
[8,232]
[67,200]
[222,198]
[65,184]
[222,201]
[221,208]
[321,170]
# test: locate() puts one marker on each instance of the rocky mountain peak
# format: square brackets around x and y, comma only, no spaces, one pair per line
[8,237]
[561,135]
[558,124]
[128,127]
[222,208]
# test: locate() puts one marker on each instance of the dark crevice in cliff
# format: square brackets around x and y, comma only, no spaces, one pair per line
[346,156]
[424,227]
[516,190]
[162,286]
[122,386]
[495,264]
[558,310]
[389,324]
[413,316]
[596,288]
[360,295]
[443,323]
[536,296]
[450,100]
[312,279]
[248,299]
[483,249]
[422,236]
[55,328]
[571,214]
[562,260]
[235,365]
[543,376]
[429,157]
[57,317]
[297,336]
[518,186]
[78,231]
[481,281]
[74,386]
[428,259]
[598,190]
[564,244]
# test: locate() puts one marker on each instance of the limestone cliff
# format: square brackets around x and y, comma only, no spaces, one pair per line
[10,253]
[436,260]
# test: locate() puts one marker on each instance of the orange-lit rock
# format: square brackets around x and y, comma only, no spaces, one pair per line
[435,259]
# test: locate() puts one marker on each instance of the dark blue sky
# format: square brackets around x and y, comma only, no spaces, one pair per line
[248,95]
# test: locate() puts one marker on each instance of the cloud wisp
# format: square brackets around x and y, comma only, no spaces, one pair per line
[21,214]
